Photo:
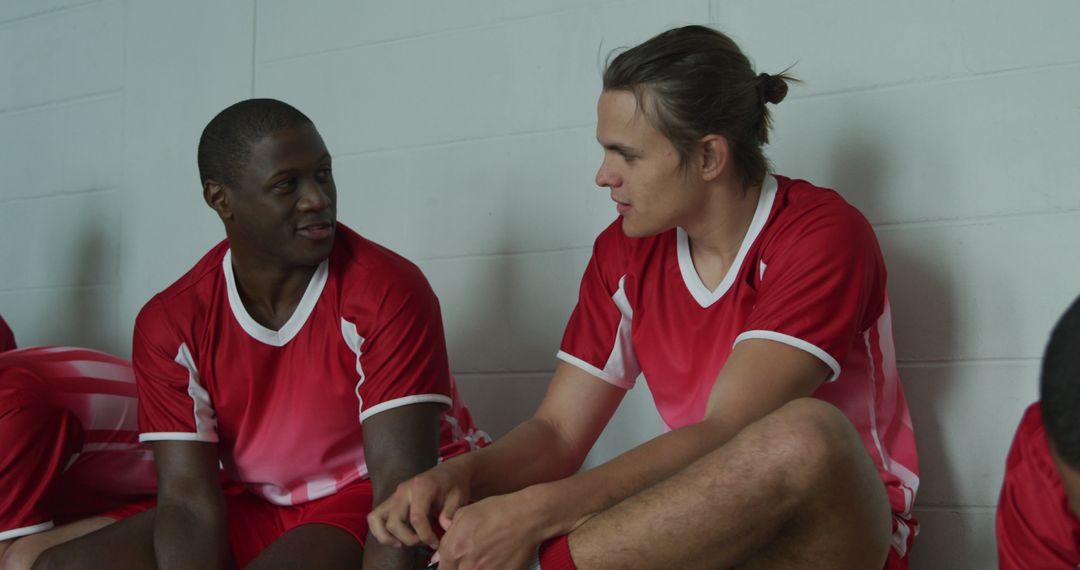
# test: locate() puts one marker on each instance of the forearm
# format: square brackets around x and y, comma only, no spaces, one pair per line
[187,537]
[532,453]
[399,444]
[566,503]
[381,557]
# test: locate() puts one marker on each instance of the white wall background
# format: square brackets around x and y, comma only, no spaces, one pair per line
[463,138]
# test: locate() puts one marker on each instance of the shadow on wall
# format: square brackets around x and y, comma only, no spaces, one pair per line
[495,334]
[84,316]
[922,301]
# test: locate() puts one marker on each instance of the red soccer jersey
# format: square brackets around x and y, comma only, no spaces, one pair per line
[70,438]
[286,406]
[809,274]
[7,338]
[1035,527]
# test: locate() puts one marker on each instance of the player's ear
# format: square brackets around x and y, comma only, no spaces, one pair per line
[714,156]
[217,198]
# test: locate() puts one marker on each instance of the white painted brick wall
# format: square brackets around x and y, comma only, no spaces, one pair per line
[463,137]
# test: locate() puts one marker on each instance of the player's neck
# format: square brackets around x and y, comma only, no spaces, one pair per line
[717,231]
[270,293]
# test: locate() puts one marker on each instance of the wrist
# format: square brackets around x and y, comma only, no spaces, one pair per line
[550,510]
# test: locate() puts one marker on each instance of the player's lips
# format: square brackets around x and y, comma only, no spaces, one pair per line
[316,230]
[621,207]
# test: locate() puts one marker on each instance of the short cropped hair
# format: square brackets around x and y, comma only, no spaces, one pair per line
[225,144]
[1060,387]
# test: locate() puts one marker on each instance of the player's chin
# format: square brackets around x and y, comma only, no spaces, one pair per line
[637,229]
[312,254]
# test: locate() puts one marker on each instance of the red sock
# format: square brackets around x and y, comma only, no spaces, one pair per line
[555,555]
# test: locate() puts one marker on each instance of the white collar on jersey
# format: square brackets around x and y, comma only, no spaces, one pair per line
[296,321]
[690,276]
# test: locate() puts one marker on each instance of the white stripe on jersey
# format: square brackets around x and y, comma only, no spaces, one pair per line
[354,341]
[318,488]
[794,342]
[621,369]
[909,480]
[17,532]
[203,410]
[623,364]
[900,537]
[102,371]
[405,401]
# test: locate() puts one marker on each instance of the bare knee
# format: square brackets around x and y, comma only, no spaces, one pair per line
[820,454]
[813,437]
[829,477]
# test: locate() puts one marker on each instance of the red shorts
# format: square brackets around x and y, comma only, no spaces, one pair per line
[254,523]
[53,469]
[38,441]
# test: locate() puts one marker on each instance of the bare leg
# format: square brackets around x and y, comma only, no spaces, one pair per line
[795,489]
[319,546]
[26,549]
[127,544]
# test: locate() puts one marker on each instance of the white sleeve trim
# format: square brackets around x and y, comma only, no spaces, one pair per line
[407,400]
[177,436]
[571,359]
[797,343]
[17,532]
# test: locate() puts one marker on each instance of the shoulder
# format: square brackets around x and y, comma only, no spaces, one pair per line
[815,227]
[1029,464]
[49,367]
[364,267]
[186,295]
[804,210]
[1030,446]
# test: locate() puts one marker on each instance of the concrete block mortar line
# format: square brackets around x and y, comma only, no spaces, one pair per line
[54,195]
[980,220]
[448,31]
[49,12]
[60,103]
[103,285]
[945,363]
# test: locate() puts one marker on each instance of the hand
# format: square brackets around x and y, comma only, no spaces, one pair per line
[498,533]
[404,518]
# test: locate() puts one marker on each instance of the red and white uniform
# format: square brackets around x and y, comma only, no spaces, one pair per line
[809,274]
[286,406]
[1035,527]
[68,438]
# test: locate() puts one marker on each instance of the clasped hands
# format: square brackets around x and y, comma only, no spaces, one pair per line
[496,533]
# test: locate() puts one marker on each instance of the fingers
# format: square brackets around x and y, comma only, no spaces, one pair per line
[453,502]
[377,527]
[419,507]
[402,520]
[385,523]
[401,530]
